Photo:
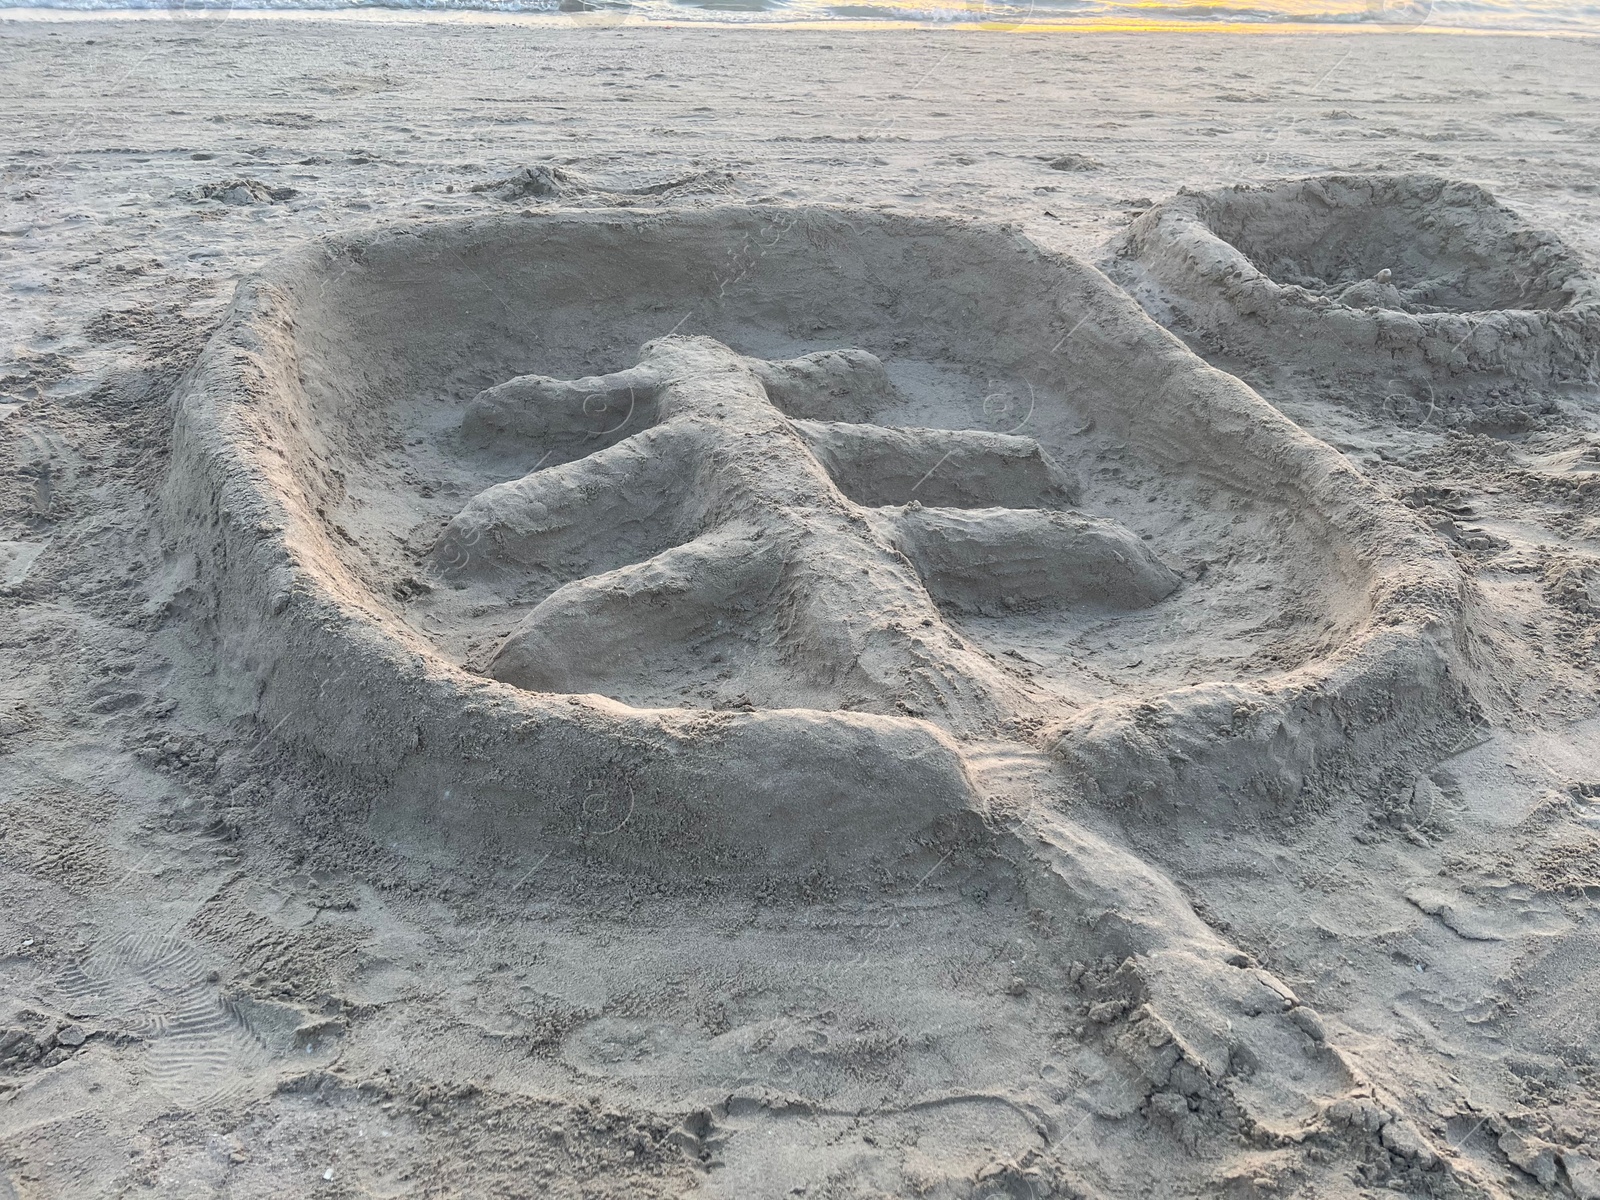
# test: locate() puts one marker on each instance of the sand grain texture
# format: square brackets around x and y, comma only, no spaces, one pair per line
[677,636]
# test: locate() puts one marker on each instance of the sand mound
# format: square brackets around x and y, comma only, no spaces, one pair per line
[1411,280]
[545,182]
[772,544]
[541,181]
[242,192]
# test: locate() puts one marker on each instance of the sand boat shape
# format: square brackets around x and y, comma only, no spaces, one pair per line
[1422,286]
[434,550]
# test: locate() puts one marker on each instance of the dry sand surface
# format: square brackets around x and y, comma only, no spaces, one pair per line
[773,614]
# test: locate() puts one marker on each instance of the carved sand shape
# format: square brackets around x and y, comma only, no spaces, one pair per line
[726,529]
[290,435]
[306,609]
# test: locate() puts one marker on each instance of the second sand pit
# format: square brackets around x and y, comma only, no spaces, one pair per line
[1414,289]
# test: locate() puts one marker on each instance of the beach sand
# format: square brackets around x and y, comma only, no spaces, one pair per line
[232,963]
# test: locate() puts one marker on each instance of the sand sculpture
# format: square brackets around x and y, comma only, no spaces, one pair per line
[771,599]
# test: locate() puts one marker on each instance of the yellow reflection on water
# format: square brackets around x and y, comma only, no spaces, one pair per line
[1182,12]
[993,16]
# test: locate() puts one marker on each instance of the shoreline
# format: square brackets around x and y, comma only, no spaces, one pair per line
[481,18]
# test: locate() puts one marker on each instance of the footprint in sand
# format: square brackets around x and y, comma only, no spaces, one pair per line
[159,989]
[203,1047]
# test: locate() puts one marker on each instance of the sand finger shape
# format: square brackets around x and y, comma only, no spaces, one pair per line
[768,584]
[1402,285]
[773,545]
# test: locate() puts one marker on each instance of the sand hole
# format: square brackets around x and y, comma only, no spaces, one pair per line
[1412,243]
[1420,284]
[737,551]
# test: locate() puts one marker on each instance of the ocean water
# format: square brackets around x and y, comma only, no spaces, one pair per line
[1508,16]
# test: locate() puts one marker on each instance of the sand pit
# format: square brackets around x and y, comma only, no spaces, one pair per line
[467,538]
[1424,294]
[602,533]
